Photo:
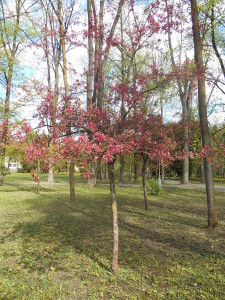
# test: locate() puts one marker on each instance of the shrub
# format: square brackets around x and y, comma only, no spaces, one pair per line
[154,188]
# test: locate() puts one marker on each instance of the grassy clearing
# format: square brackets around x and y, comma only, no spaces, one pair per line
[26,178]
[52,249]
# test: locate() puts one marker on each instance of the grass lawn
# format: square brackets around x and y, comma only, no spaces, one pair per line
[52,249]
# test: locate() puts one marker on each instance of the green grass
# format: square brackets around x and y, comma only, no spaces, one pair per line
[217,180]
[26,177]
[52,249]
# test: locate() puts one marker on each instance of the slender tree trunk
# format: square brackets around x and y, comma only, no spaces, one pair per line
[1,179]
[115,251]
[106,173]
[163,173]
[185,161]
[10,54]
[66,86]
[162,116]
[71,178]
[202,171]
[211,202]
[135,170]
[130,168]
[51,174]
[38,177]
[213,38]
[90,75]
[102,170]
[92,180]
[144,182]
[184,98]
[122,167]
[97,61]
[150,171]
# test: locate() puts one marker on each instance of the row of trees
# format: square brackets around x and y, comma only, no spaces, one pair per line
[137,54]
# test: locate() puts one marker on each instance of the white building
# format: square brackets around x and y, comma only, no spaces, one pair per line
[12,165]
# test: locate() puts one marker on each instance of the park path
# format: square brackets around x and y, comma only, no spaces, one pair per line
[167,184]
[176,184]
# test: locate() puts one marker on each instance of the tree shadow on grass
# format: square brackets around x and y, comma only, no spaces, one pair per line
[86,227]
[28,188]
[78,225]
[179,240]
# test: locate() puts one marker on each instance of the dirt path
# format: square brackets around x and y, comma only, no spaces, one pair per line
[167,184]
[176,184]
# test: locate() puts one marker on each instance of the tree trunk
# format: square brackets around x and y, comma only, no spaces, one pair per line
[144,183]
[130,168]
[137,167]
[163,174]
[211,202]
[185,170]
[106,173]
[71,178]
[214,39]
[38,177]
[184,89]
[66,87]
[90,75]
[51,174]
[115,268]
[9,47]
[122,167]
[149,171]
[202,171]
[185,161]
[135,171]
[102,171]
[1,179]
[92,180]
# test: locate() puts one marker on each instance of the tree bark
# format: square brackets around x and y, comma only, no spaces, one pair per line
[92,180]
[38,177]
[202,171]
[122,168]
[184,89]
[90,75]
[66,86]
[71,178]
[144,182]
[135,170]
[97,59]
[106,173]
[130,168]
[56,45]
[115,249]
[9,47]
[185,161]
[1,179]
[163,173]
[214,39]
[102,173]
[51,174]
[211,202]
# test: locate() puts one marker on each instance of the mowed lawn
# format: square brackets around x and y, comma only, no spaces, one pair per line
[53,249]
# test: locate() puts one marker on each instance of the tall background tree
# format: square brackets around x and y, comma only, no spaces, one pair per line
[212,211]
